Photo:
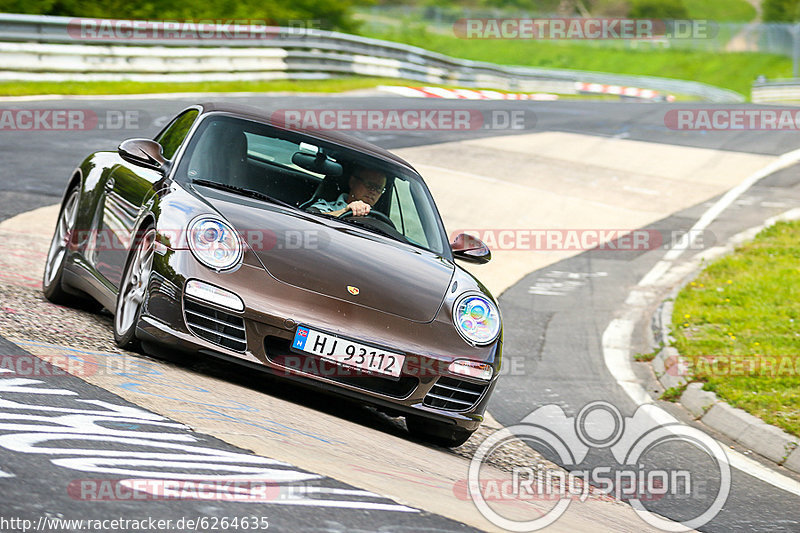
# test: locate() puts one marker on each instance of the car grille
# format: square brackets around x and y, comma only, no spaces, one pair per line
[453,394]
[219,327]
[279,352]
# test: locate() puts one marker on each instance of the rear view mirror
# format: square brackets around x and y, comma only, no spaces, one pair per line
[469,248]
[318,163]
[145,153]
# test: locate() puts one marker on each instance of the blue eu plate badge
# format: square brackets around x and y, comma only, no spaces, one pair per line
[300,338]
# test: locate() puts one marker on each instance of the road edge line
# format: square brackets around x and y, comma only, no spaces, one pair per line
[616,339]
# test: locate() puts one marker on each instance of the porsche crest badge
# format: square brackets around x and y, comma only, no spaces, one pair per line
[353,290]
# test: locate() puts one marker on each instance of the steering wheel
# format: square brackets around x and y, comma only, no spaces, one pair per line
[372,213]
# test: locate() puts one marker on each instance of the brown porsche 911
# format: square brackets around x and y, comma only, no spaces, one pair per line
[311,254]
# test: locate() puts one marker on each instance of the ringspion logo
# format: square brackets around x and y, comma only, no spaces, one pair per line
[631,468]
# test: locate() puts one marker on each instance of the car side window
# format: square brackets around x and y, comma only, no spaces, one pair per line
[404,213]
[173,135]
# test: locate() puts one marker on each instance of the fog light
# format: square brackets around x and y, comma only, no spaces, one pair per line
[215,295]
[472,369]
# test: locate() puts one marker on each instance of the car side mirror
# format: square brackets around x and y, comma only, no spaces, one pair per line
[145,153]
[469,248]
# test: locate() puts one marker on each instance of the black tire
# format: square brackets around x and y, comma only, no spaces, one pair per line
[59,248]
[438,433]
[133,289]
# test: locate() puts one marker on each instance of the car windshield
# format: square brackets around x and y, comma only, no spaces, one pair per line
[313,175]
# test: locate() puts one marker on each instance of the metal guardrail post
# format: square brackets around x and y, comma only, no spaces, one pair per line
[795,32]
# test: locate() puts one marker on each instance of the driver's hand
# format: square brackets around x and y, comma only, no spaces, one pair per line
[359,208]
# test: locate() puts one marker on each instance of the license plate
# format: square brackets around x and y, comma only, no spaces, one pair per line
[347,352]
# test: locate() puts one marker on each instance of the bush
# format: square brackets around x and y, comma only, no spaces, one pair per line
[610,8]
[781,10]
[330,14]
[659,9]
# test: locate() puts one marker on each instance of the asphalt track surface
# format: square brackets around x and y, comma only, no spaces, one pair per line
[558,335]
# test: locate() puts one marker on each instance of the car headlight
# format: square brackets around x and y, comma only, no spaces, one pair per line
[476,318]
[214,243]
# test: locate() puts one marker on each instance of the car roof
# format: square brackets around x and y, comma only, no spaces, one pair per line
[335,137]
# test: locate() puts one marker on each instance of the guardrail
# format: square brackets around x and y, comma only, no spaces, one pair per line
[38,48]
[779,90]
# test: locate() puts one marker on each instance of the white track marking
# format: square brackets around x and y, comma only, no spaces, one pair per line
[617,336]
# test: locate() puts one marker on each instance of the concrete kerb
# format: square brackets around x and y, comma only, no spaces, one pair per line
[749,431]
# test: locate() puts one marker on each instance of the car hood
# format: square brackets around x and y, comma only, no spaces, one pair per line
[339,260]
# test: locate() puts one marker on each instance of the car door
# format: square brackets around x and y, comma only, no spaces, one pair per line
[127,188]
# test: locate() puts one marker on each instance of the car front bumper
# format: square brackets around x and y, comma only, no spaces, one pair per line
[266,346]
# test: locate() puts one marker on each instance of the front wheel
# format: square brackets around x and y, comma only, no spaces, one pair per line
[57,254]
[133,289]
[439,433]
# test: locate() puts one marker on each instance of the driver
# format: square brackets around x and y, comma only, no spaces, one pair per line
[366,188]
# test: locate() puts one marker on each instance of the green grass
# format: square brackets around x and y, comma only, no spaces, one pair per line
[310,86]
[735,71]
[742,315]
[649,356]
[130,87]
[673,394]
[720,10]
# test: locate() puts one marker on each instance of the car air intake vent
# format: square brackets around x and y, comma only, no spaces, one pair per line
[219,327]
[454,394]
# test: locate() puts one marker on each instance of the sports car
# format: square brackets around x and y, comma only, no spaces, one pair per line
[213,239]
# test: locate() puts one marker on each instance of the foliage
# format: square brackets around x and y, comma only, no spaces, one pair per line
[533,6]
[781,10]
[659,9]
[326,14]
[673,394]
[721,10]
[610,8]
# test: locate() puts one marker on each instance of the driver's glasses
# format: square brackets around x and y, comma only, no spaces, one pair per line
[371,186]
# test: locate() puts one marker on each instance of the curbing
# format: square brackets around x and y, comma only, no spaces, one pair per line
[749,431]
[793,462]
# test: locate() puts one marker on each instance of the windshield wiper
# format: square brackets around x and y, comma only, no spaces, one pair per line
[244,192]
